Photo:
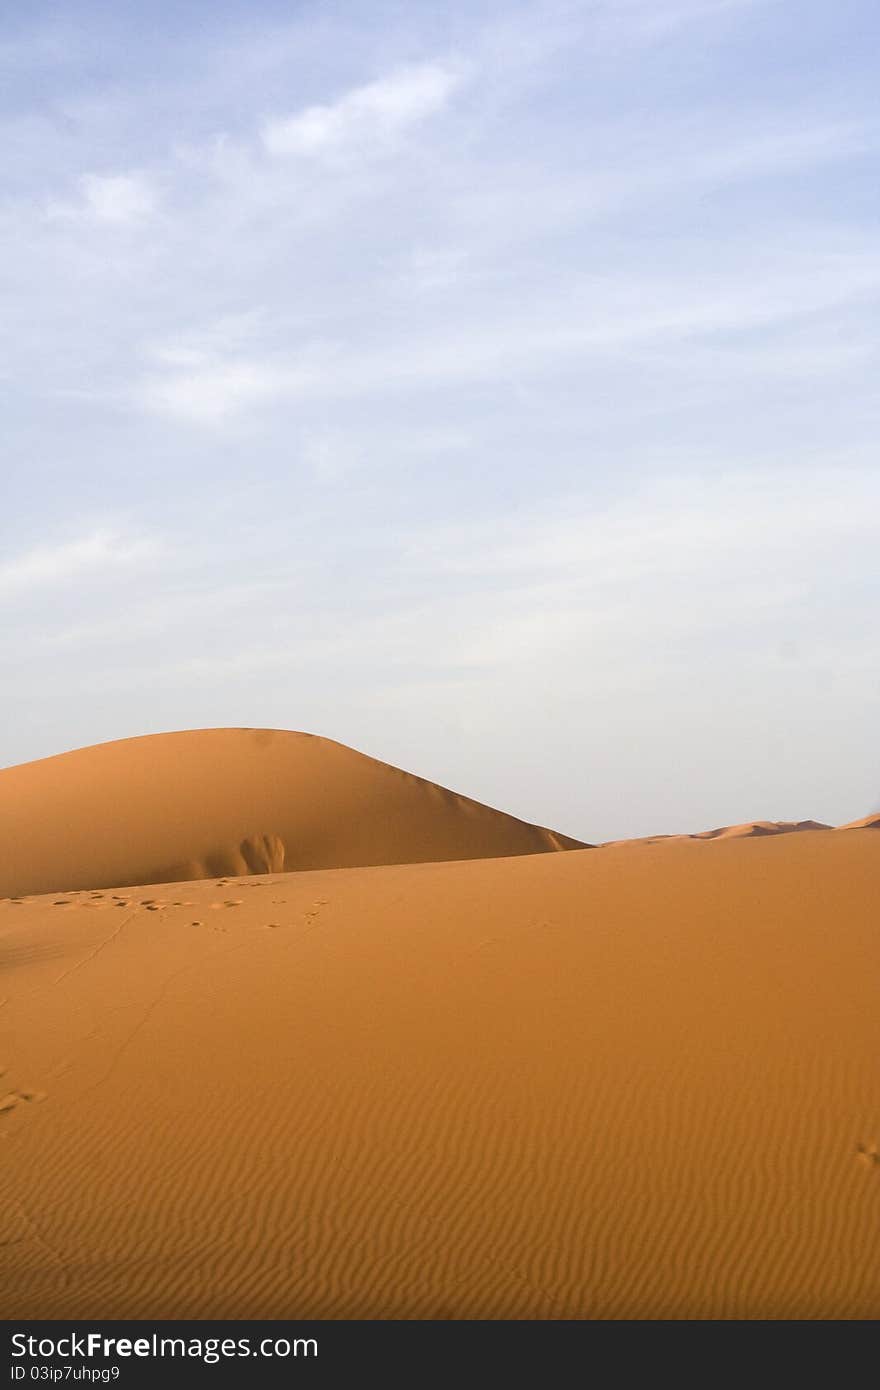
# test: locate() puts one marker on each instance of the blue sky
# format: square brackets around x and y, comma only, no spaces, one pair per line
[491,387]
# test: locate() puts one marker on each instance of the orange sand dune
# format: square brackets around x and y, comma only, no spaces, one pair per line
[871,822]
[232,801]
[747,830]
[760,827]
[555,1086]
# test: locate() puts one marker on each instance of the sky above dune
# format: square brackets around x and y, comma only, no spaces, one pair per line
[491,387]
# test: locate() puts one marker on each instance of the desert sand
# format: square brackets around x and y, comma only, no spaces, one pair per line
[594,1084]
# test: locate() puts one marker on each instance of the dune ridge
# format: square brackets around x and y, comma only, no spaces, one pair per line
[208,803]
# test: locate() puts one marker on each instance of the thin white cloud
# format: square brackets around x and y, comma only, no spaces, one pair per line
[230,335]
[644,20]
[114,199]
[597,588]
[118,197]
[210,394]
[372,115]
[631,166]
[332,454]
[150,615]
[790,529]
[57,564]
[600,319]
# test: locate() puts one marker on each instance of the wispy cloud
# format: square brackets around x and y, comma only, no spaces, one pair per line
[210,394]
[371,116]
[598,319]
[691,529]
[48,565]
[115,199]
[644,20]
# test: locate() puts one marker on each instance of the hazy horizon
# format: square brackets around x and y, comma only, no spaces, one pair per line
[489,388]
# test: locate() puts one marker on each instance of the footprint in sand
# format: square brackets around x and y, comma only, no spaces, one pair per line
[869,1154]
[315,909]
[15,1098]
[309,915]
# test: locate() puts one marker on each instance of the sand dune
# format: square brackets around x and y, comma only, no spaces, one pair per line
[752,829]
[215,802]
[597,1085]
[871,822]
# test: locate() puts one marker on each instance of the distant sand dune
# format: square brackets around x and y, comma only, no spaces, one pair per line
[760,827]
[221,802]
[586,1085]
[753,829]
[871,822]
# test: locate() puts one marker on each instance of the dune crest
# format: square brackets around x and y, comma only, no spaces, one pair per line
[871,822]
[212,803]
